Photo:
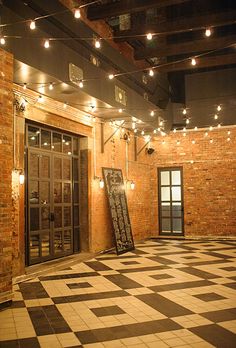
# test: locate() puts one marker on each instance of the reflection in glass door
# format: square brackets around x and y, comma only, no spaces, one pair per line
[52,175]
[171,201]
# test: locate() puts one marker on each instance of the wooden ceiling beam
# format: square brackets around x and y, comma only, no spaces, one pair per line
[202,62]
[188,24]
[103,11]
[206,44]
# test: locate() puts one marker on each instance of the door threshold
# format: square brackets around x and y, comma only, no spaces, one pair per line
[52,266]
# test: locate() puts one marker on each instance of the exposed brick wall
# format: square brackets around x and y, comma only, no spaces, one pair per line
[6,164]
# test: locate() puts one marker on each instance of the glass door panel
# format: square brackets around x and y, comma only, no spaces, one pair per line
[170,201]
[53,194]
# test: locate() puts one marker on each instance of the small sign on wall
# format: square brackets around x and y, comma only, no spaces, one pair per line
[115,190]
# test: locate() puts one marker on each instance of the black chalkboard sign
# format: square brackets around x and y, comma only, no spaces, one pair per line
[115,190]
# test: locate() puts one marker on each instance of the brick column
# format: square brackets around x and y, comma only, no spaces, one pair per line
[6,166]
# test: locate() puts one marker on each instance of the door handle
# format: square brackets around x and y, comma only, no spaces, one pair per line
[52,217]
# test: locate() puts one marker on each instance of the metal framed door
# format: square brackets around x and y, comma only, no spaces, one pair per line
[52,194]
[171,211]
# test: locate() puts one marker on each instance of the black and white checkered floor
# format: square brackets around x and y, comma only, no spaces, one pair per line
[163,294]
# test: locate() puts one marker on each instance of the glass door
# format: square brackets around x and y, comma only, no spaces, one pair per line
[52,194]
[171,201]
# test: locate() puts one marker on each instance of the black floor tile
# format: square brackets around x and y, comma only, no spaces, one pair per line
[143,269]
[220,315]
[216,335]
[211,296]
[161,276]
[79,285]
[97,266]
[9,344]
[163,305]
[179,286]
[31,342]
[33,290]
[105,311]
[88,297]
[69,276]
[123,282]
[198,273]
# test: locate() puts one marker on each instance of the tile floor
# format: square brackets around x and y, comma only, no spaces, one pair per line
[163,294]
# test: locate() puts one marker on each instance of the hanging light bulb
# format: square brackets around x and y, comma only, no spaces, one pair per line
[152,113]
[94,119]
[211,141]
[184,134]
[2,41]
[228,132]
[177,142]
[25,86]
[218,108]
[210,128]
[40,99]
[161,123]
[111,76]
[206,134]
[81,84]
[187,121]
[149,36]
[151,72]
[184,129]
[195,128]
[163,142]
[97,43]
[135,130]
[133,125]
[216,117]
[219,125]
[51,86]
[32,25]
[65,105]
[77,13]
[46,44]
[228,139]
[132,185]
[174,130]
[193,61]
[193,141]
[142,132]
[208,32]
[120,111]
[184,111]
[155,131]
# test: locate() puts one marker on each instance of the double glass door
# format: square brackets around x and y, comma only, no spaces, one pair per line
[171,201]
[51,202]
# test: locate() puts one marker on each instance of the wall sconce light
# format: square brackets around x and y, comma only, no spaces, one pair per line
[21,178]
[132,185]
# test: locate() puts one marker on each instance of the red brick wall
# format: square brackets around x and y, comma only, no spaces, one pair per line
[6,164]
[209,183]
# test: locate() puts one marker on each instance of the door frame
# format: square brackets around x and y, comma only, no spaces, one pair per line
[52,154]
[159,170]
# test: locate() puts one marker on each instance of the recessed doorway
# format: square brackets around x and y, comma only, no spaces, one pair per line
[52,194]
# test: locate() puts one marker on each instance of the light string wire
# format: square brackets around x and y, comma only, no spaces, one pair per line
[53,14]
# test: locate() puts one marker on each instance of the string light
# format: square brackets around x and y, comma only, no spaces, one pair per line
[195,128]
[133,125]
[25,86]
[174,130]
[218,108]
[151,72]
[228,139]
[184,129]
[46,44]
[163,142]
[219,125]
[111,76]
[77,13]
[216,117]
[120,111]
[211,141]
[135,130]
[228,132]
[152,113]
[161,123]
[193,141]
[32,25]
[208,32]
[149,36]
[206,134]
[155,131]
[210,128]
[184,111]
[193,61]
[65,105]
[177,142]
[51,86]
[2,41]
[97,43]
[132,185]
[41,89]
[187,120]
[142,133]
[81,84]
[184,134]
[40,99]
